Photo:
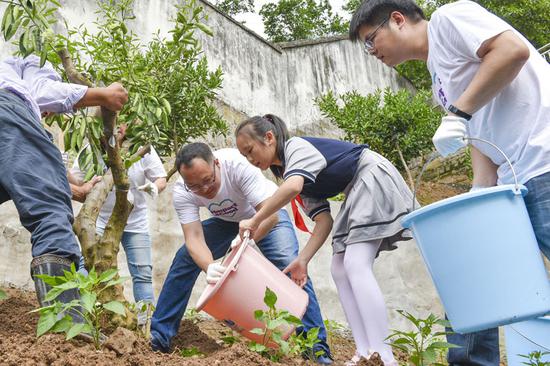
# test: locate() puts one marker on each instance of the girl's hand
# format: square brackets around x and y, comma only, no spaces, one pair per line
[298,271]
[248,224]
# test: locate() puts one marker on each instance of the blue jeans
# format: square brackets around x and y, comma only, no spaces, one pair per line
[34,177]
[481,348]
[137,247]
[280,246]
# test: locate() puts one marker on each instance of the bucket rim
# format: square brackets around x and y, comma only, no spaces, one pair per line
[210,290]
[407,221]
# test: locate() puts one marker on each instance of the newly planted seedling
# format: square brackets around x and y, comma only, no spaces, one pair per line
[56,317]
[193,315]
[275,323]
[425,346]
[332,326]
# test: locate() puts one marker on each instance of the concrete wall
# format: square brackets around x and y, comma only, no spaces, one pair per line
[258,78]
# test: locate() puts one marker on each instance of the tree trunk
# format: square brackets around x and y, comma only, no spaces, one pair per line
[407,170]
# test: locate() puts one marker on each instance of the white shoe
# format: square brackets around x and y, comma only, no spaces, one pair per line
[354,360]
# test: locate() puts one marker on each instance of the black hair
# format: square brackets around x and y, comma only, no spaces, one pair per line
[373,12]
[191,151]
[257,126]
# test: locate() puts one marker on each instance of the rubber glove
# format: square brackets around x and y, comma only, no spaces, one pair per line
[149,188]
[214,272]
[450,136]
[130,197]
[237,241]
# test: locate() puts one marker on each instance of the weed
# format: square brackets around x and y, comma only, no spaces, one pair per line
[193,315]
[191,352]
[424,346]
[55,318]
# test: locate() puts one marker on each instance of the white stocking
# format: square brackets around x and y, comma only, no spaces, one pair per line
[345,293]
[362,290]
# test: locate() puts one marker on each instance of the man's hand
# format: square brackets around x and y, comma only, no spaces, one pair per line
[214,272]
[149,188]
[114,97]
[248,225]
[298,271]
[450,136]
[80,192]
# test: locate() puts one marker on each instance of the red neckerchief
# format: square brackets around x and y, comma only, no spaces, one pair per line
[298,219]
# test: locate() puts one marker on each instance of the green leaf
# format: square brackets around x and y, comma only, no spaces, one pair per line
[108,275]
[45,323]
[3,295]
[258,331]
[88,301]
[53,294]
[270,298]
[7,20]
[62,325]
[75,330]
[116,307]
[206,29]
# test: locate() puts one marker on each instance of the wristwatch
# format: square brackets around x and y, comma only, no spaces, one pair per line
[459,113]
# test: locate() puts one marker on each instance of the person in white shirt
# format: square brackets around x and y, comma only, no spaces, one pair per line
[146,176]
[33,173]
[232,190]
[495,86]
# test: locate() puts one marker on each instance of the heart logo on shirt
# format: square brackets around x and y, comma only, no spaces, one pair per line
[226,208]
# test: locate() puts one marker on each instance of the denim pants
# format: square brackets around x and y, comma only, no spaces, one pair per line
[137,247]
[482,348]
[34,177]
[280,246]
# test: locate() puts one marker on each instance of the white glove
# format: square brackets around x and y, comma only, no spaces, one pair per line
[238,241]
[150,188]
[214,272]
[449,137]
[130,197]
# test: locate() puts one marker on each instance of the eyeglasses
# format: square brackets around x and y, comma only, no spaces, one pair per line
[369,41]
[205,184]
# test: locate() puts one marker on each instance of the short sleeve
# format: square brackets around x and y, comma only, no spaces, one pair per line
[185,204]
[153,167]
[302,158]
[314,206]
[463,26]
[252,183]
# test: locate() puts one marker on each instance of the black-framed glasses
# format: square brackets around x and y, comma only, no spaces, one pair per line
[369,41]
[205,184]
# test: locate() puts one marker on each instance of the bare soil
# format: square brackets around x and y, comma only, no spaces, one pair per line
[20,347]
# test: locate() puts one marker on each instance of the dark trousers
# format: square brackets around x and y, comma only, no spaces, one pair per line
[32,174]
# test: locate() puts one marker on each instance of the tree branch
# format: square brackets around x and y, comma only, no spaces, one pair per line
[73,75]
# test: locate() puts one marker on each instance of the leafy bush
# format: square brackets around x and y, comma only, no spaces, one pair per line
[398,125]
[55,318]
[425,345]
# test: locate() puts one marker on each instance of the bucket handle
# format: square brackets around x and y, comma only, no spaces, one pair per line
[527,338]
[418,179]
[244,243]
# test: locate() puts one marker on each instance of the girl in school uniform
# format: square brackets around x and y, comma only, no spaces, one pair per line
[368,221]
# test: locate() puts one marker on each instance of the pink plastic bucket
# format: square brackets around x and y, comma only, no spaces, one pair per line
[240,291]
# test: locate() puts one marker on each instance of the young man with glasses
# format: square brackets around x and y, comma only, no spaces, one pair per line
[232,190]
[495,86]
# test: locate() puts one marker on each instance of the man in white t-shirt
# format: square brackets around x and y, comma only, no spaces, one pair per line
[146,176]
[232,190]
[495,86]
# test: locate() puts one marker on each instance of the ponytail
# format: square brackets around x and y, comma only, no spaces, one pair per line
[257,126]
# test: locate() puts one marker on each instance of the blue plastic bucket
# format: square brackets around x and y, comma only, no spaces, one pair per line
[526,337]
[483,257]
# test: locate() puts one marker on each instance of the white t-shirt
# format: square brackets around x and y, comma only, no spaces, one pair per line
[149,167]
[242,188]
[517,120]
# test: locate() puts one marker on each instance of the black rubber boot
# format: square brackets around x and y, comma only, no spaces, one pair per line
[53,265]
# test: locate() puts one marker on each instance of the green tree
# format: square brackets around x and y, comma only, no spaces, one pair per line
[234,7]
[170,99]
[398,125]
[292,20]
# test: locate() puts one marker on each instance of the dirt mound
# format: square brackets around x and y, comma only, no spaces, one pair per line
[20,347]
